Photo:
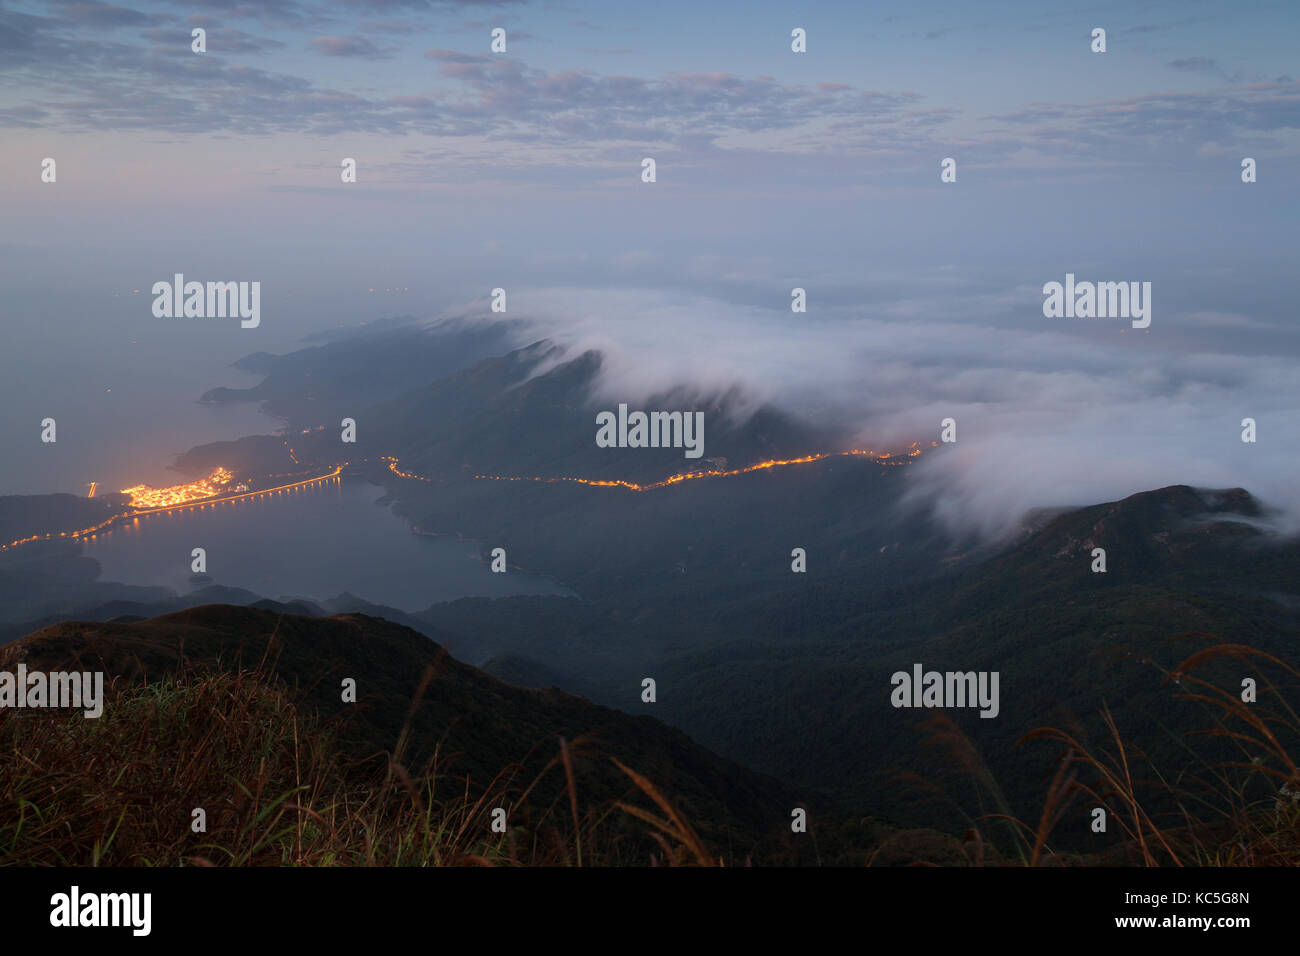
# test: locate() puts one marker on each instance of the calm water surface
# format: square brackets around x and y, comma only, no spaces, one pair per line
[316,542]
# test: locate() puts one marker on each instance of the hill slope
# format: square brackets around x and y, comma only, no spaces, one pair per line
[479,725]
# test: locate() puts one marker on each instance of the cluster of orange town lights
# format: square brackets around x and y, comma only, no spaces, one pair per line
[142,496]
[227,494]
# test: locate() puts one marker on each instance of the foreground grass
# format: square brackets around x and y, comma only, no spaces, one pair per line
[1236,802]
[275,789]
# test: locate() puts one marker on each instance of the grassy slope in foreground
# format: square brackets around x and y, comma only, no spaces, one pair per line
[175,735]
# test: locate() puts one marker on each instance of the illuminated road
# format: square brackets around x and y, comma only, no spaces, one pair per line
[883,458]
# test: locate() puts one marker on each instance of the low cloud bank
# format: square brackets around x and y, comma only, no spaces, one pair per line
[1049,412]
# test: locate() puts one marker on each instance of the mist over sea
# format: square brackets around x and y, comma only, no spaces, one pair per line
[123,395]
[122,385]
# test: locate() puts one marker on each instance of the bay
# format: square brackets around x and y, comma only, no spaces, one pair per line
[315,543]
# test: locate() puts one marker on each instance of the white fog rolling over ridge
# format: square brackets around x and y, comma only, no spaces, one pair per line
[1049,412]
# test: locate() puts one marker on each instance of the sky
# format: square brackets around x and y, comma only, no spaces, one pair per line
[774,170]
